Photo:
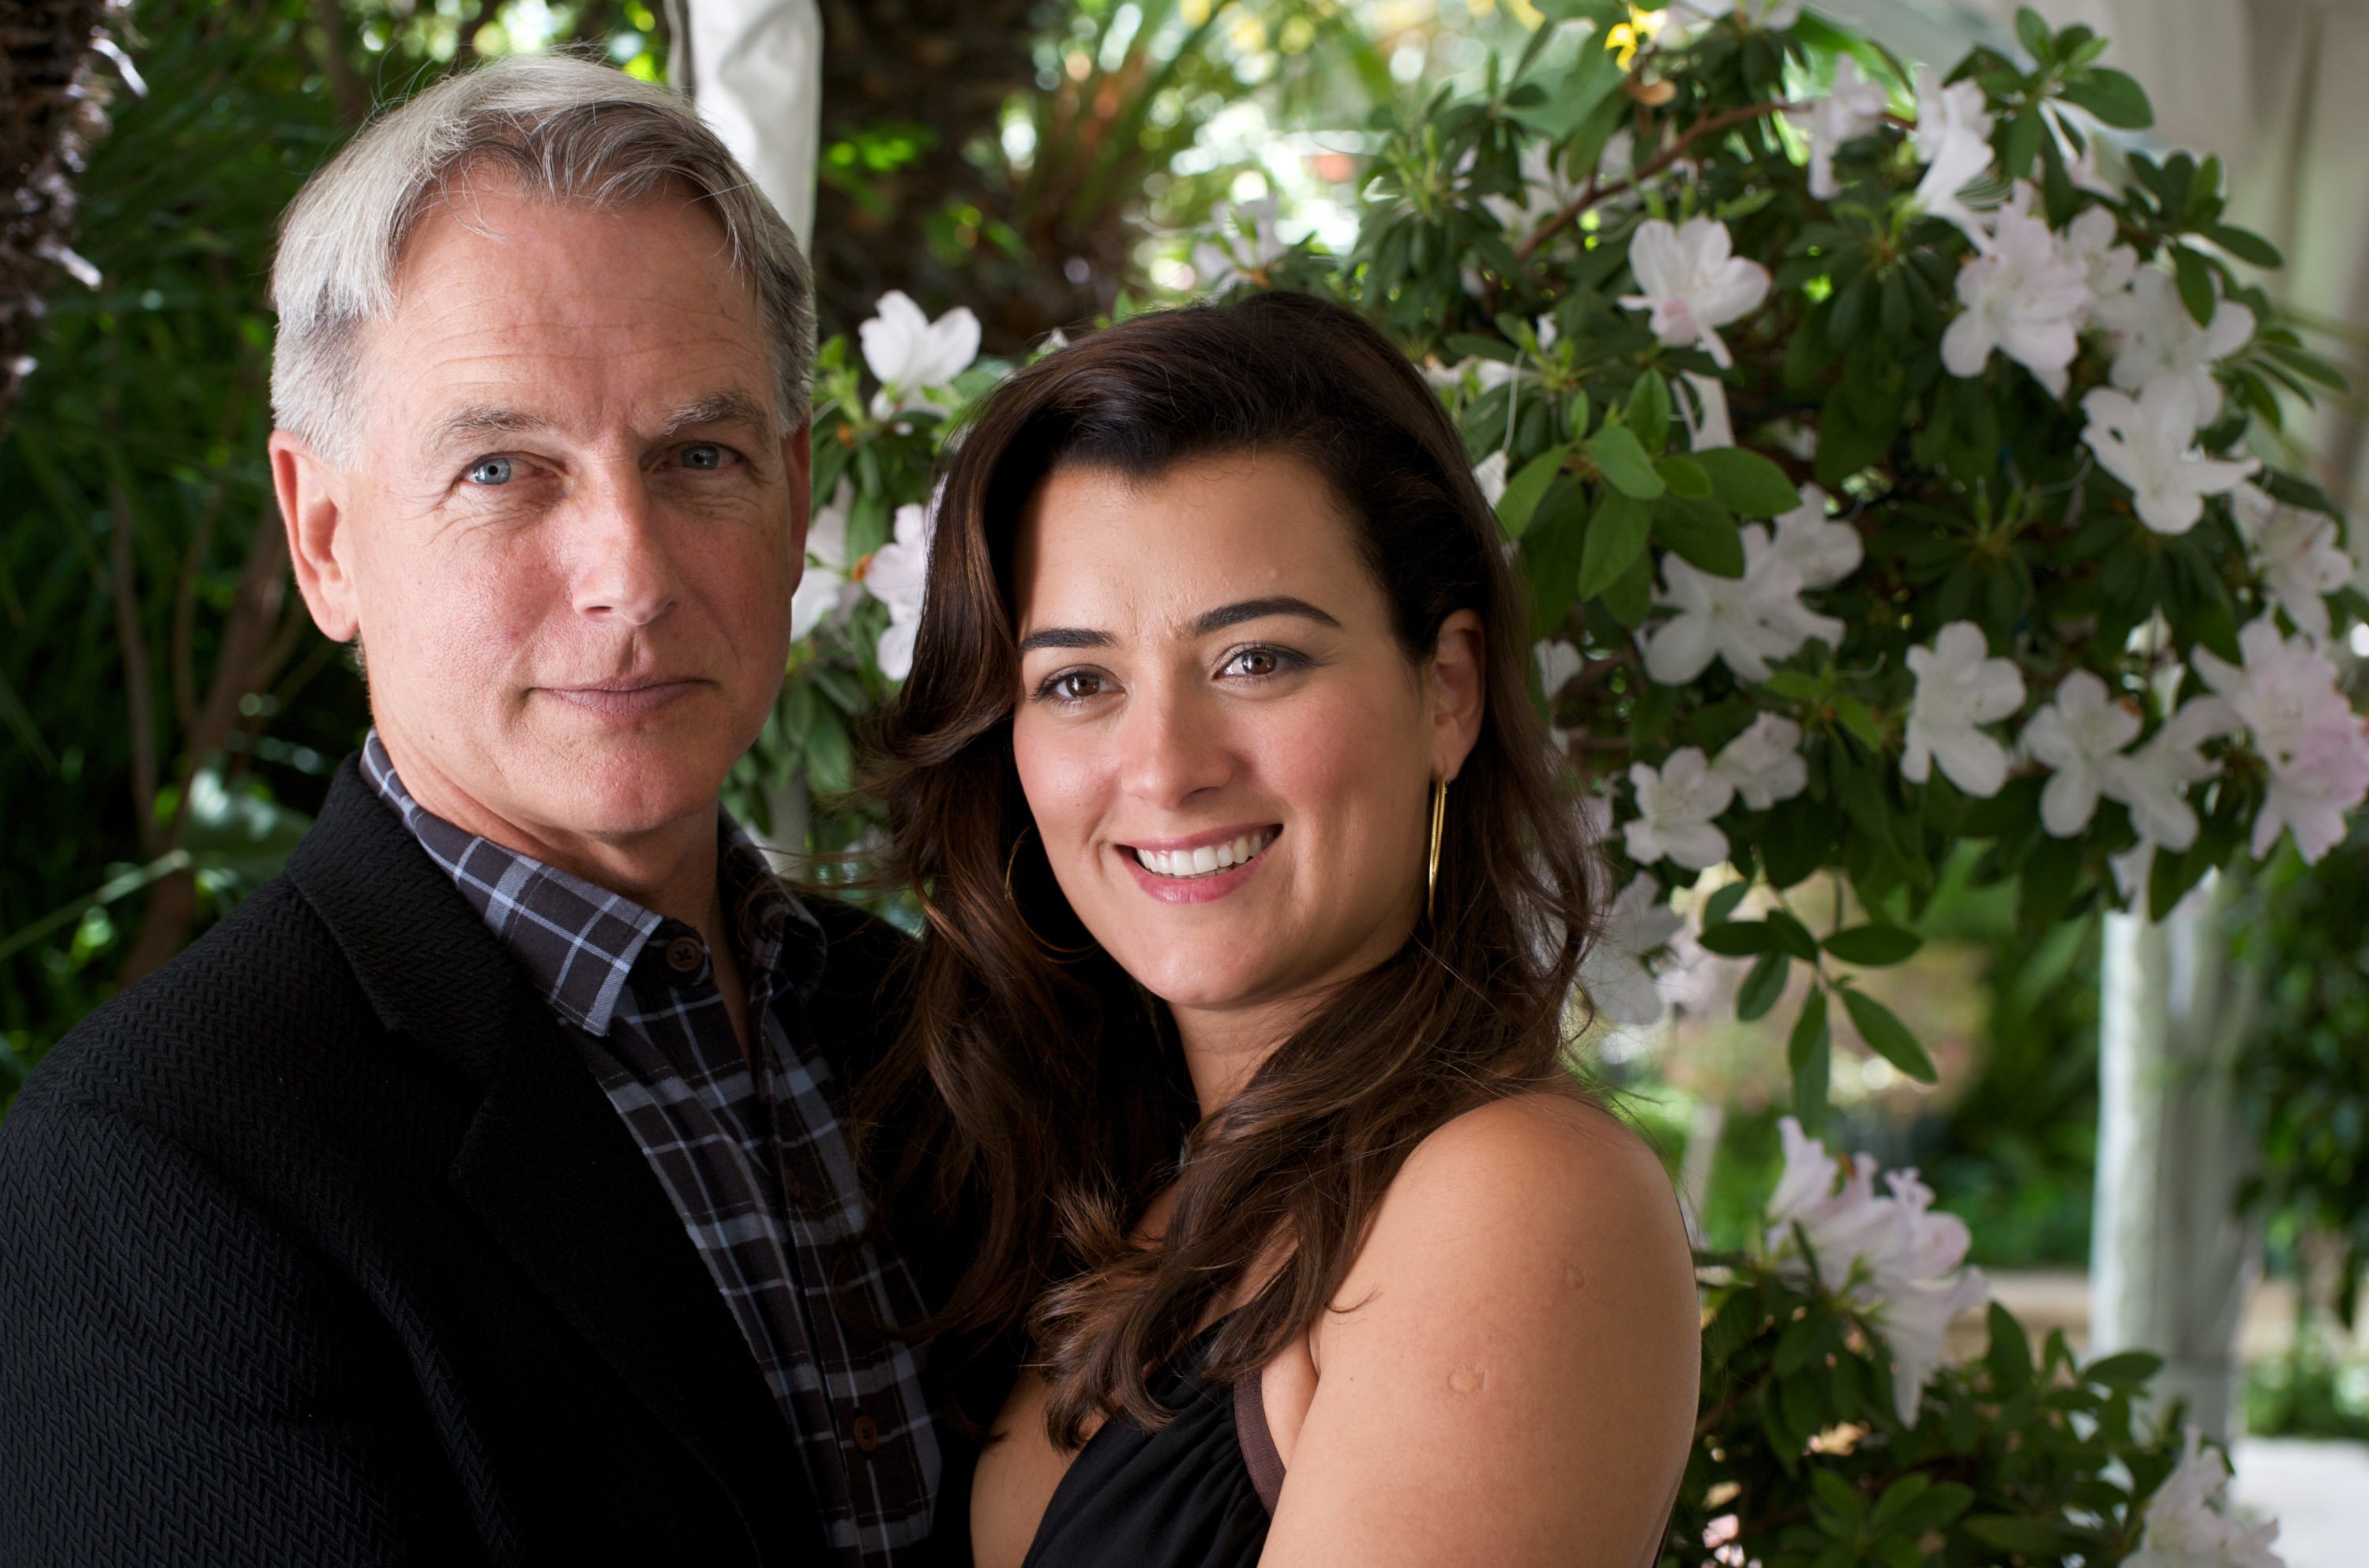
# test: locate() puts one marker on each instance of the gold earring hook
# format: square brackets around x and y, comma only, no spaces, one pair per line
[1439,825]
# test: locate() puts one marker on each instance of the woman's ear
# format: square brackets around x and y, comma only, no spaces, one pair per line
[1458,689]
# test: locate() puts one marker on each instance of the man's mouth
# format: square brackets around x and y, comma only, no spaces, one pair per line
[1207,860]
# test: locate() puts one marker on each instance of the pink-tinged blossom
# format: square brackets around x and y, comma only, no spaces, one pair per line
[2297,556]
[895,576]
[1764,762]
[2021,299]
[1693,282]
[2149,443]
[1959,687]
[1613,972]
[1742,622]
[2284,692]
[1676,807]
[2156,339]
[2091,244]
[1851,109]
[1892,1259]
[2153,779]
[1953,139]
[2188,1522]
[2076,736]
[912,354]
[1705,411]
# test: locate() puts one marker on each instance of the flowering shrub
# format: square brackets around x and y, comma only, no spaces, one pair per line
[1833,1432]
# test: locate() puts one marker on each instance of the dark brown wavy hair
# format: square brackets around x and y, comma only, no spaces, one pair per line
[1041,1094]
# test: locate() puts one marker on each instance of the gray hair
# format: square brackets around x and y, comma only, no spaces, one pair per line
[568,129]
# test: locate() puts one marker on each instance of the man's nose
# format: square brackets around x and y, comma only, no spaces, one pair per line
[622,569]
[1172,744]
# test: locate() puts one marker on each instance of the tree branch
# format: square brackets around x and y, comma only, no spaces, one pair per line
[1589,194]
[138,693]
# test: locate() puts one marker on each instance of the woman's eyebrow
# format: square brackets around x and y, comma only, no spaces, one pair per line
[1065,637]
[1218,620]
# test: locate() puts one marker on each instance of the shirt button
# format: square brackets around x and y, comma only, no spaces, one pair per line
[684,954]
[867,1434]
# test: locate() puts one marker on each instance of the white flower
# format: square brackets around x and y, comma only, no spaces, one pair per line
[1558,662]
[1544,190]
[2021,299]
[1676,805]
[2153,780]
[1764,762]
[911,354]
[824,589]
[2286,695]
[2187,1523]
[2156,339]
[1743,622]
[1490,475]
[2149,443]
[2078,733]
[1953,141]
[1751,13]
[1851,109]
[2089,244]
[1693,282]
[1894,1259]
[1242,244]
[895,576]
[2299,557]
[1613,972]
[1824,551]
[1705,412]
[1959,686]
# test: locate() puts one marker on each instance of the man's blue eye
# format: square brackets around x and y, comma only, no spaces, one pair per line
[490,471]
[705,456]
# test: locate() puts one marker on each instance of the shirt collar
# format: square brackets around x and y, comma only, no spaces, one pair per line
[579,941]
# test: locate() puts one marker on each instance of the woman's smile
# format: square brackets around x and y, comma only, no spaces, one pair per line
[1200,867]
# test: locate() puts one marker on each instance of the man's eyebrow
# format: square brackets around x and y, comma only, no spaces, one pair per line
[473,420]
[1227,615]
[724,408]
[1065,637]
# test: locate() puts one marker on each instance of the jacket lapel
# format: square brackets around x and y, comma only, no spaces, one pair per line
[546,1163]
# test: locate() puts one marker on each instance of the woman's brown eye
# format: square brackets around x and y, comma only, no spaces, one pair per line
[1256,661]
[1076,686]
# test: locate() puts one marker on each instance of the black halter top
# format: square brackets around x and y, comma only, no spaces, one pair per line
[1198,1493]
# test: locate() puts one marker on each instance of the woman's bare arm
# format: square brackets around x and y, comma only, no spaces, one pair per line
[1511,1379]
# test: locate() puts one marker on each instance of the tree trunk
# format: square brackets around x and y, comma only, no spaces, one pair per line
[52,106]
[2171,1260]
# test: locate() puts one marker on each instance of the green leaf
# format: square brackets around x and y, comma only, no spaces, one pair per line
[1616,543]
[1648,411]
[2023,137]
[1873,945]
[2009,1355]
[2031,31]
[1748,483]
[2034,1538]
[2194,276]
[1857,719]
[1721,904]
[1762,986]
[1808,1052]
[1631,596]
[2245,244]
[1523,491]
[1739,939]
[1684,477]
[2128,1369]
[1703,534]
[1792,936]
[1623,462]
[1887,1037]
[2113,96]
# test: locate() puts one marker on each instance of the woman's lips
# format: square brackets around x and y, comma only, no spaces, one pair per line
[1181,878]
[622,699]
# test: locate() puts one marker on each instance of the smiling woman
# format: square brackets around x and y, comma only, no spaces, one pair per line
[1220,780]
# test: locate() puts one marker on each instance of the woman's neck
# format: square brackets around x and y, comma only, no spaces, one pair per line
[1223,1046]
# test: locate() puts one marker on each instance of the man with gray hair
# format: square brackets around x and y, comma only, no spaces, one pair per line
[481,1190]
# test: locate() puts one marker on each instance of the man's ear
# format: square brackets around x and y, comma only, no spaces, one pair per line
[1459,686]
[312,505]
[797,466]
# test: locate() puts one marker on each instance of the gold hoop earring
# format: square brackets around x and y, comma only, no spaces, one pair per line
[1052,950]
[1439,825]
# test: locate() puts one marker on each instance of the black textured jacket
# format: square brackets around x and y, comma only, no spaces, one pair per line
[321,1245]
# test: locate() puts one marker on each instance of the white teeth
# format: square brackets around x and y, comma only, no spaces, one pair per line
[1207,860]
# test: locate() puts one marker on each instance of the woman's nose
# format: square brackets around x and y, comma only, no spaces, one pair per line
[623,570]
[1173,746]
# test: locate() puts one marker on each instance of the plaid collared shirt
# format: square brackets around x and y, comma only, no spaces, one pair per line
[757,1163]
